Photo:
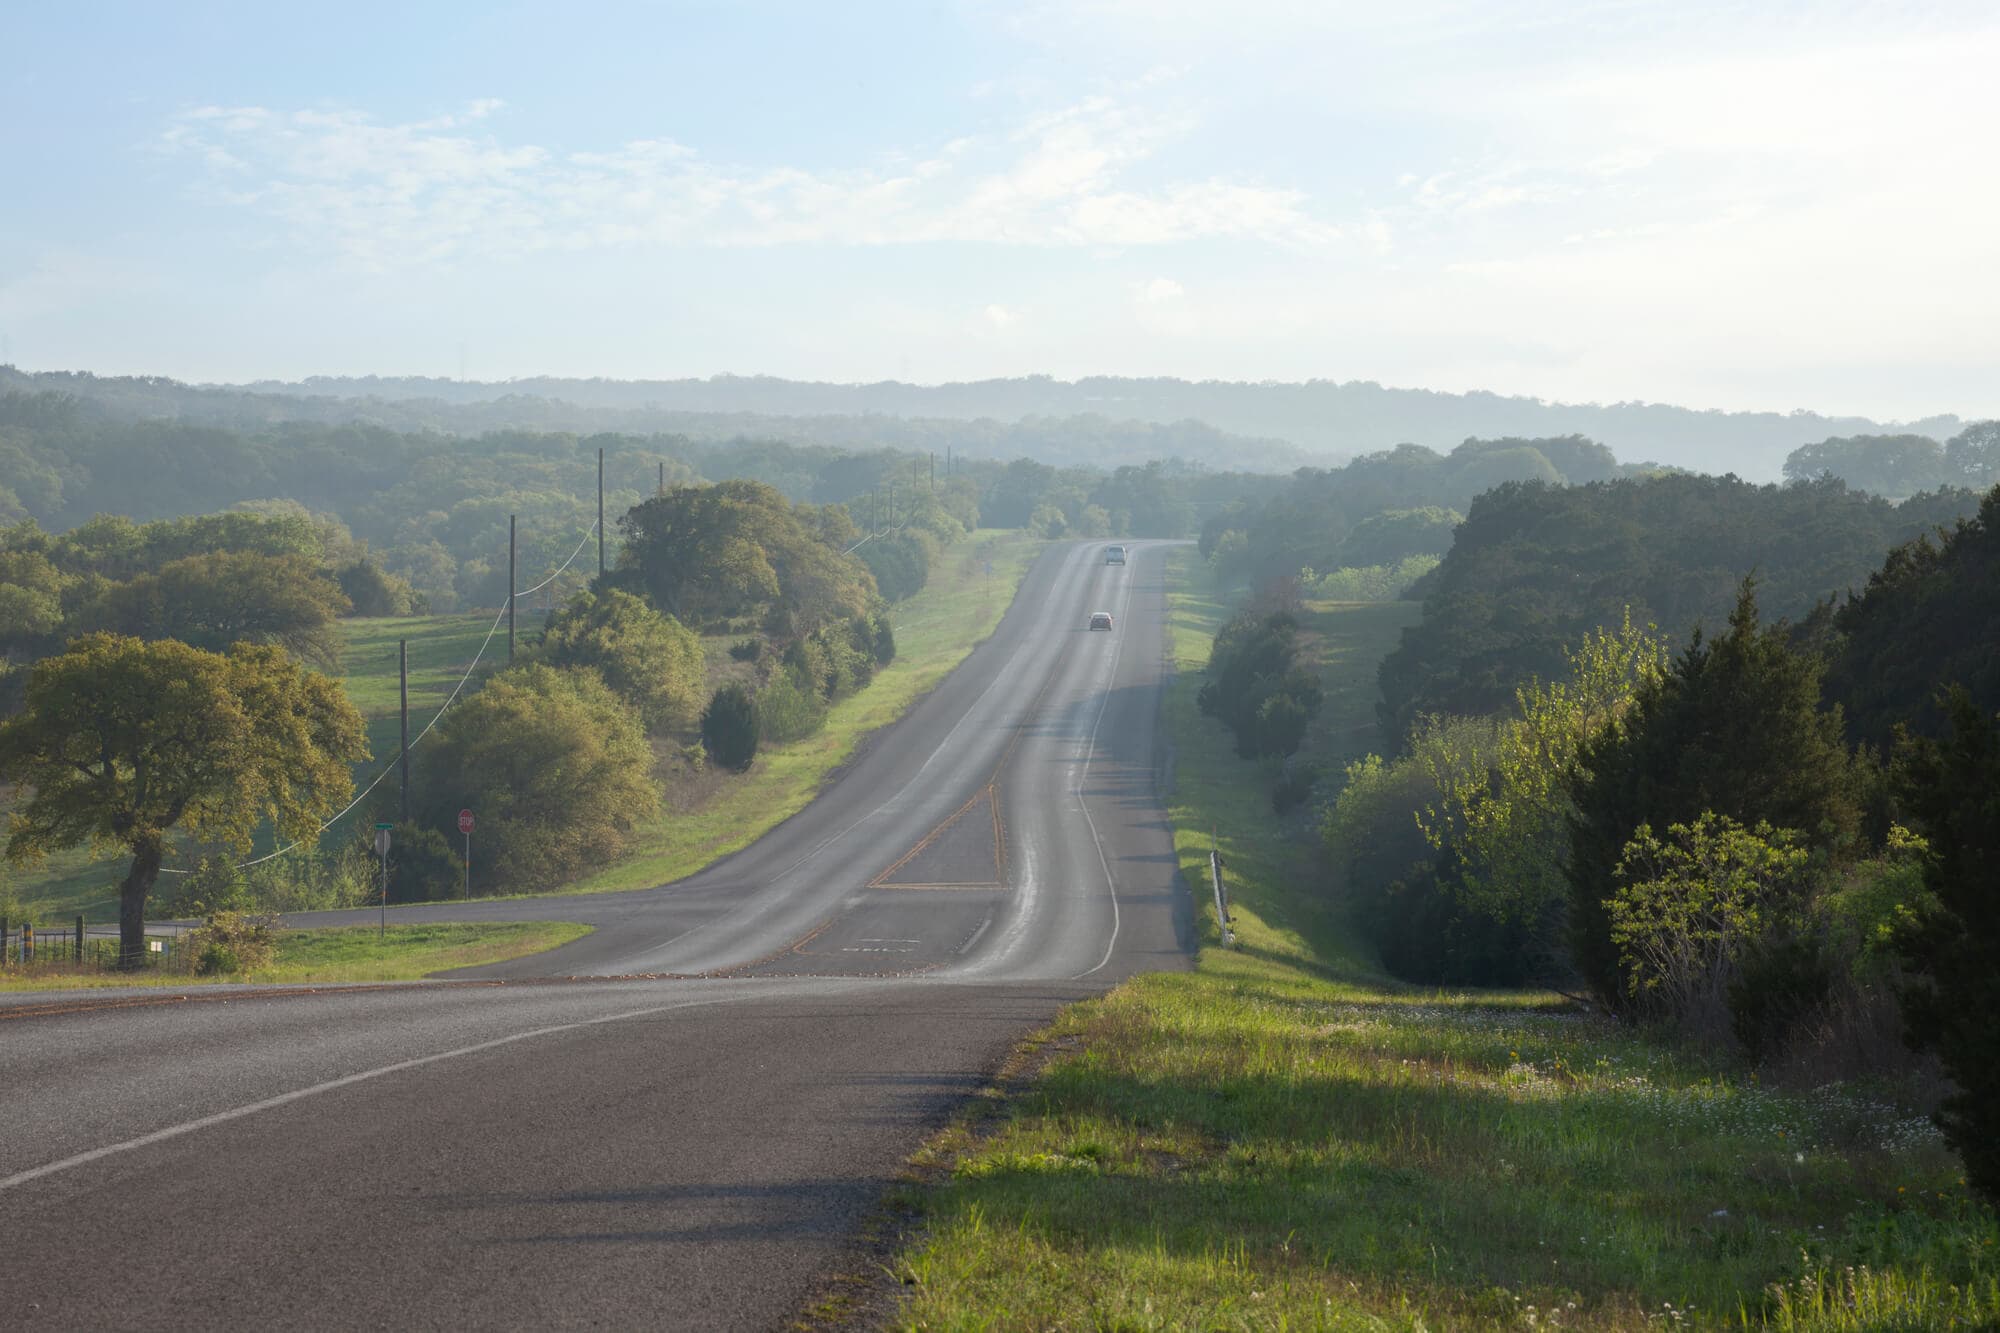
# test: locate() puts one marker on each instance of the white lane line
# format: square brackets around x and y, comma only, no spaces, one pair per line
[287,1098]
[750,910]
[1083,779]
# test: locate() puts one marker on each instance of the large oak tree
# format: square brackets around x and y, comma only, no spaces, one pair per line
[121,741]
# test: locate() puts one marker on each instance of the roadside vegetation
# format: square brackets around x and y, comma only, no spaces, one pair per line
[1291,1137]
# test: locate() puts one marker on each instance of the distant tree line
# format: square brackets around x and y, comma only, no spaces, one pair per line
[1900,465]
[1104,421]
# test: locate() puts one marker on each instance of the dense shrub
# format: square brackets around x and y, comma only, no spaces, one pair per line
[652,661]
[423,865]
[1414,910]
[376,592]
[230,942]
[555,763]
[1686,906]
[786,712]
[900,562]
[729,728]
[1256,687]
[1734,728]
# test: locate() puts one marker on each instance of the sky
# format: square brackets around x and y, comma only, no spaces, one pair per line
[1770,205]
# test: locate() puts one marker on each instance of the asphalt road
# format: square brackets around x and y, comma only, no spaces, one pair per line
[678,1121]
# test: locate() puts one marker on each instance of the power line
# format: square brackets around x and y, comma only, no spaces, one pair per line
[485,643]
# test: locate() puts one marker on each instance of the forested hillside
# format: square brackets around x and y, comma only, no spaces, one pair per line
[433,508]
[1534,567]
[1105,421]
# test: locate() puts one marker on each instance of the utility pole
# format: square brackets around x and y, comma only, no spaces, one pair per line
[600,513]
[663,478]
[403,689]
[510,587]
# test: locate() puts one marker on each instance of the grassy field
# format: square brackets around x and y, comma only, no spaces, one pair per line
[440,649]
[935,630]
[345,953]
[1287,1139]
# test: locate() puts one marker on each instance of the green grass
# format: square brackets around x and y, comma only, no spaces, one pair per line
[346,953]
[440,649]
[935,630]
[1286,1138]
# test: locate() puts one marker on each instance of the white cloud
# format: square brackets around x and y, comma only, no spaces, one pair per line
[1000,317]
[385,194]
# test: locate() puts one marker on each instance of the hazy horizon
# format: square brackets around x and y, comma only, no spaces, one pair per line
[1586,203]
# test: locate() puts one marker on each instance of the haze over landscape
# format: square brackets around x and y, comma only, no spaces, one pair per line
[1694,204]
[1015,666]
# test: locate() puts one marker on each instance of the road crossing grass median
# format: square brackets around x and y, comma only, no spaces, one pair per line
[1287,1138]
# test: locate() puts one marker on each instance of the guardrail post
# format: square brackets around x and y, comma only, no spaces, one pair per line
[1221,898]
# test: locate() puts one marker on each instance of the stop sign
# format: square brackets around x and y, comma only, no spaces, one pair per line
[465,821]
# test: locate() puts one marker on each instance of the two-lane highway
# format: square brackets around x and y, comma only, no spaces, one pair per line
[691,1148]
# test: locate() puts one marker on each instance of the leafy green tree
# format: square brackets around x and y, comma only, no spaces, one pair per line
[373,591]
[652,661]
[1972,457]
[1734,728]
[1686,907]
[1951,787]
[122,742]
[212,601]
[900,562]
[1397,534]
[31,609]
[1257,686]
[557,766]
[1507,824]
[729,728]
[1893,465]
[700,552]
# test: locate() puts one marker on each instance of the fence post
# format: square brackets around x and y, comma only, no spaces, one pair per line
[27,943]
[79,937]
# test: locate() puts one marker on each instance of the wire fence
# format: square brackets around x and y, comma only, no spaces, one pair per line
[27,947]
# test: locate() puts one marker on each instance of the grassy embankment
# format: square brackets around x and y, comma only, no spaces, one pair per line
[935,630]
[348,953]
[1286,1138]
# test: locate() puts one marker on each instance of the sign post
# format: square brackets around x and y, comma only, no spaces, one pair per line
[382,849]
[465,827]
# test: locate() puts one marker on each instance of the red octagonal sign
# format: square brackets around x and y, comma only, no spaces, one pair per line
[465,821]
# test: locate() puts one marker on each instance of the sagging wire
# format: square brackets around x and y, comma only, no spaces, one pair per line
[443,708]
